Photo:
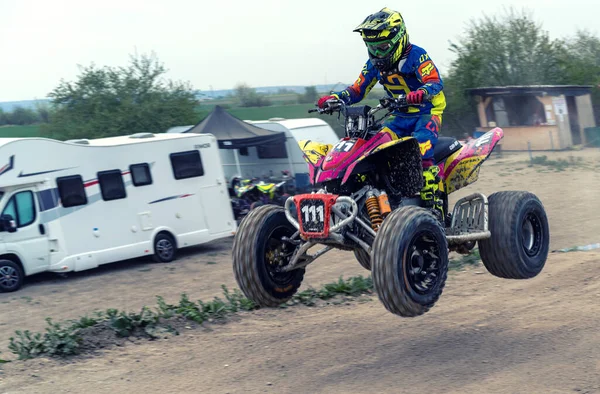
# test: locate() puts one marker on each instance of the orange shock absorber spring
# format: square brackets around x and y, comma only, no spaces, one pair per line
[373,210]
[384,204]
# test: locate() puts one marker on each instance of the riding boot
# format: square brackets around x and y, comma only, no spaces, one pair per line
[430,193]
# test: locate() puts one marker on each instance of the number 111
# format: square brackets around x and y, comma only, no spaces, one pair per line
[312,210]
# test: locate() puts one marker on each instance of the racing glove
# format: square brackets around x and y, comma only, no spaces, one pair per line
[322,100]
[416,97]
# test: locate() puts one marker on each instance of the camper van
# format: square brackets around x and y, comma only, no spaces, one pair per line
[74,205]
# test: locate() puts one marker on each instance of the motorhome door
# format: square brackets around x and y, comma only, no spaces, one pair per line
[23,232]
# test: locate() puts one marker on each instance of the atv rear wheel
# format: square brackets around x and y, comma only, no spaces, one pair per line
[364,259]
[257,252]
[410,261]
[520,240]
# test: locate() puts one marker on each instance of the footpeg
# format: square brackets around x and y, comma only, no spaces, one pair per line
[469,219]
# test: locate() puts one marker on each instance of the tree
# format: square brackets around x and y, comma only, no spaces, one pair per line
[511,50]
[43,112]
[248,96]
[497,51]
[21,116]
[310,95]
[580,62]
[580,59]
[111,101]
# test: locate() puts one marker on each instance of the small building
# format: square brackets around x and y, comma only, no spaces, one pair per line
[538,117]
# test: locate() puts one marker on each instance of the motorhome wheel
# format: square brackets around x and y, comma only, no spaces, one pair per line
[11,276]
[164,248]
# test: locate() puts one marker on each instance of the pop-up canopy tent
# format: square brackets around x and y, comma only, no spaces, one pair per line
[233,133]
[262,148]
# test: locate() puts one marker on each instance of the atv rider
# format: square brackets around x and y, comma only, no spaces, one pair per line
[402,68]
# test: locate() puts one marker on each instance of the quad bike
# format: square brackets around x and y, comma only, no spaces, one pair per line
[251,193]
[368,200]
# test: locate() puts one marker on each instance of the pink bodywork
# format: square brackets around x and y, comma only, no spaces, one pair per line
[345,154]
[343,157]
[481,146]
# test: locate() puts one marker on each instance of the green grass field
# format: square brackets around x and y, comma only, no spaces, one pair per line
[20,131]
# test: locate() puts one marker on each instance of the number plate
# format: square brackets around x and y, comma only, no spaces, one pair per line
[313,215]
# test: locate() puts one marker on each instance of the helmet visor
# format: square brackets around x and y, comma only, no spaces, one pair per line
[380,48]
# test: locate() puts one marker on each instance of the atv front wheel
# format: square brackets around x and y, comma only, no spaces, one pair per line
[410,261]
[364,259]
[257,253]
[520,240]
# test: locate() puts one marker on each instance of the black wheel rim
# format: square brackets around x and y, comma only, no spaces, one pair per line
[423,263]
[278,254]
[531,234]
[9,277]
[164,248]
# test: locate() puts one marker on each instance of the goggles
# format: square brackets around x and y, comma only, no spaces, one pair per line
[380,48]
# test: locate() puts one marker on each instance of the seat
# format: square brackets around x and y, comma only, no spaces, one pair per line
[445,147]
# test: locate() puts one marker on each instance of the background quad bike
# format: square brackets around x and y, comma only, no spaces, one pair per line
[257,194]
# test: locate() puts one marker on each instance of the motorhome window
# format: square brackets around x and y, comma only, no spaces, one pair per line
[140,174]
[244,151]
[272,151]
[111,185]
[186,164]
[21,207]
[71,191]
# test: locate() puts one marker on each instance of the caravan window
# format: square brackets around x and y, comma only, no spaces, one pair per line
[111,185]
[71,191]
[140,174]
[186,164]
[21,207]
[272,151]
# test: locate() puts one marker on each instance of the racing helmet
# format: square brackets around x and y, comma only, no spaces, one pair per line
[385,36]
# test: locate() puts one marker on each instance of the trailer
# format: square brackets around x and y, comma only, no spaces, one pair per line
[75,205]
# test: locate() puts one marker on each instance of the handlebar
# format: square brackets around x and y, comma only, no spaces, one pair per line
[384,102]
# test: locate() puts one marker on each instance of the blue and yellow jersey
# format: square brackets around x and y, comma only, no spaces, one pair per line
[415,70]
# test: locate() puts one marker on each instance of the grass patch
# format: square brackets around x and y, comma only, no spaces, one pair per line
[211,262]
[471,260]
[73,337]
[556,165]
[103,328]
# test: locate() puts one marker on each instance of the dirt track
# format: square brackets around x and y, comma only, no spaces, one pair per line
[484,335]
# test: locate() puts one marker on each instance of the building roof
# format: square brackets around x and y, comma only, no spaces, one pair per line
[535,90]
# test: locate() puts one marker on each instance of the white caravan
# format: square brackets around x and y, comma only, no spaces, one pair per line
[255,162]
[74,205]
[270,160]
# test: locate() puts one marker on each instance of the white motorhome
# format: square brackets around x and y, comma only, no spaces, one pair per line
[74,205]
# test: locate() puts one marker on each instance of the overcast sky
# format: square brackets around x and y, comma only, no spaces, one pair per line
[219,43]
